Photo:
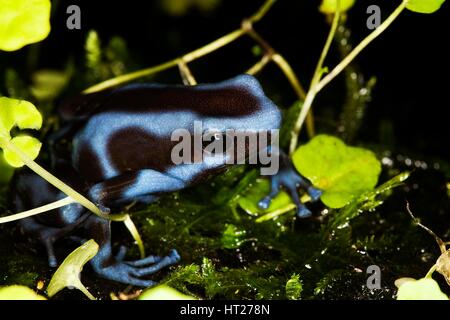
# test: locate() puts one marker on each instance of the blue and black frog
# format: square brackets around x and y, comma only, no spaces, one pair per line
[120,152]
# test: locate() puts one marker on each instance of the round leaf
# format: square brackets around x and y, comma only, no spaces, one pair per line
[31,146]
[330,6]
[23,22]
[18,112]
[47,84]
[424,6]
[164,292]
[340,171]
[19,293]
[423,289]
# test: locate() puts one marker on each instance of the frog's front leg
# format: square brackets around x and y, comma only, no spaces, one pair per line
[290,180]
[139,186]
[114,267]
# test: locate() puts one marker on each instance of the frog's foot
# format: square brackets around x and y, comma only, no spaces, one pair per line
[134,272]
[288,179]
[48,235]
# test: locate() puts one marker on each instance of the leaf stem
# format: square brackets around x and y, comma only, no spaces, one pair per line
[35,211]
[339,68]
[360,47]
[58,183]
[189,57]
[314,82]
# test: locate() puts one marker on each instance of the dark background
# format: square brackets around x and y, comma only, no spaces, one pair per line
[410,60]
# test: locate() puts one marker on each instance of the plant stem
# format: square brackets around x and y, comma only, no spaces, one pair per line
[29,213]
[135,234]
[315,80]
[339,68]
[431,271]
[284,66]
[357,50]
[58,183]
[189,57]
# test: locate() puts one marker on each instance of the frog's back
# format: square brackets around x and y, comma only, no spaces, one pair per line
[131,128]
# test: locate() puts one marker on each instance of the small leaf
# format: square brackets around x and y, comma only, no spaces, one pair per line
[422,289]
[23,22]
[424,6]
[341,172]
[68,273]
[232,237]
[48,84]
[17,292]
[18,112]
[164,292]
[294,287]
[23,114]
[29,145]
[330,6]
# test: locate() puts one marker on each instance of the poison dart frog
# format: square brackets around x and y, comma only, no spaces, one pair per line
[120,152]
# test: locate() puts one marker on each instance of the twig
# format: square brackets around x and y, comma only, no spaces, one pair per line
[189,57]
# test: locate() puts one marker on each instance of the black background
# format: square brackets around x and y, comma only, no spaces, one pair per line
[410,60]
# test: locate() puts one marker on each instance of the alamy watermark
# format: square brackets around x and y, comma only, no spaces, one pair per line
[374,280]
[231,146]
[374,20]
[73,21]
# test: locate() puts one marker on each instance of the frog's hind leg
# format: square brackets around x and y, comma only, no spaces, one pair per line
[48,235]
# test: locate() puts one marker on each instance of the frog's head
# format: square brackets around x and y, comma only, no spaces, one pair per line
[241,113]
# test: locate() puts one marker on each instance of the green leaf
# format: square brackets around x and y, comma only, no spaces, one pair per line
[23,22]
[341,172]
[294,287]
[164,292]
[422,289]
[21,113]
[17,292]
[330,6]
[424,6]
[68,273]
[232,237]
[29,145]
[47,84]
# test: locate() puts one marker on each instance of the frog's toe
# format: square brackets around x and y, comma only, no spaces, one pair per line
[103,209]
[49,246]
[303,212]
[121,253]
[314,193]
[265,203]
[172,258]
[145,261]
